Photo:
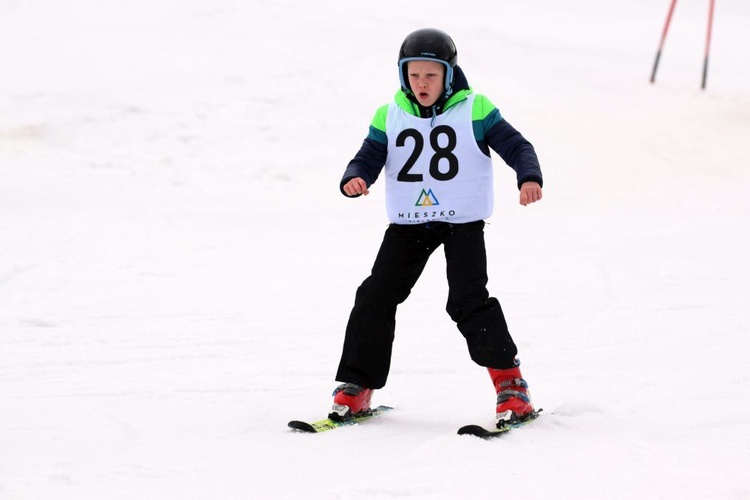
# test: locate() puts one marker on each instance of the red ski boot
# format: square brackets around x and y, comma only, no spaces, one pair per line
[513,400]
[350,400]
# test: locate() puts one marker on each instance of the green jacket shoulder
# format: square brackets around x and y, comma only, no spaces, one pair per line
[484,114]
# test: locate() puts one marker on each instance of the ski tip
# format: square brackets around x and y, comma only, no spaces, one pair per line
[499,430]
[298,425]
[481,432]
[472,430]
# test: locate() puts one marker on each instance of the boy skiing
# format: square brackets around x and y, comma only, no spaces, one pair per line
[433,143]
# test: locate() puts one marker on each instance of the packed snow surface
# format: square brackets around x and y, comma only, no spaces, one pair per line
[177,264]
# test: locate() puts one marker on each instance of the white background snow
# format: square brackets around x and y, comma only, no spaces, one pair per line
[177,265]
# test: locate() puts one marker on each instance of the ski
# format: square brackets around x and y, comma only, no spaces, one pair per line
[328,424]
[484,433]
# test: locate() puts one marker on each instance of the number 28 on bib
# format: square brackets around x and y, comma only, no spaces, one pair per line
[435,169]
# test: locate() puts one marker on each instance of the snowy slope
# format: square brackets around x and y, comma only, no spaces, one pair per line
[177,265]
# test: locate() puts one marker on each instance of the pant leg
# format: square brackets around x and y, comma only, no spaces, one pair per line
[479,317]
[366,356]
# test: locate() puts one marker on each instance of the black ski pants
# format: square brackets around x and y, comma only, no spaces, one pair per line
[366,356]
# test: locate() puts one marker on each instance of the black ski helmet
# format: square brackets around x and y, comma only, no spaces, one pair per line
[428,44]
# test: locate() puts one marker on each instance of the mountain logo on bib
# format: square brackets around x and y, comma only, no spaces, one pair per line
[426,199]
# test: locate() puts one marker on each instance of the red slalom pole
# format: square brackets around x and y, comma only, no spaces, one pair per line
[708,43]
[664,37]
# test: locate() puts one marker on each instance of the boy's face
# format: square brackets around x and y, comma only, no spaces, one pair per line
[426,79]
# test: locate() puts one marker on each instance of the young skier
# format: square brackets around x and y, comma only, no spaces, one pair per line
[434,142]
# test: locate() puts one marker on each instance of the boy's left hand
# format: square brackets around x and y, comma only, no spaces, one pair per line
[530,192]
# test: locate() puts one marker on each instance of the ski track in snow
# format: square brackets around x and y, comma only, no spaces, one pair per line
[177,264]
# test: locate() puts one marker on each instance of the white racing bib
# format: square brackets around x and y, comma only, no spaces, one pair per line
[435,170]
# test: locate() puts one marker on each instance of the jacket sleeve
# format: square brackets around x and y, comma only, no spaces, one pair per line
[491,129]
[370,159]
[516,151]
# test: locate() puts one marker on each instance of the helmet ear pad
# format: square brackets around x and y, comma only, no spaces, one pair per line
[403,72]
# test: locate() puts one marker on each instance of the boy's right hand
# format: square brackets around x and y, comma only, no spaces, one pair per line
[356,187]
